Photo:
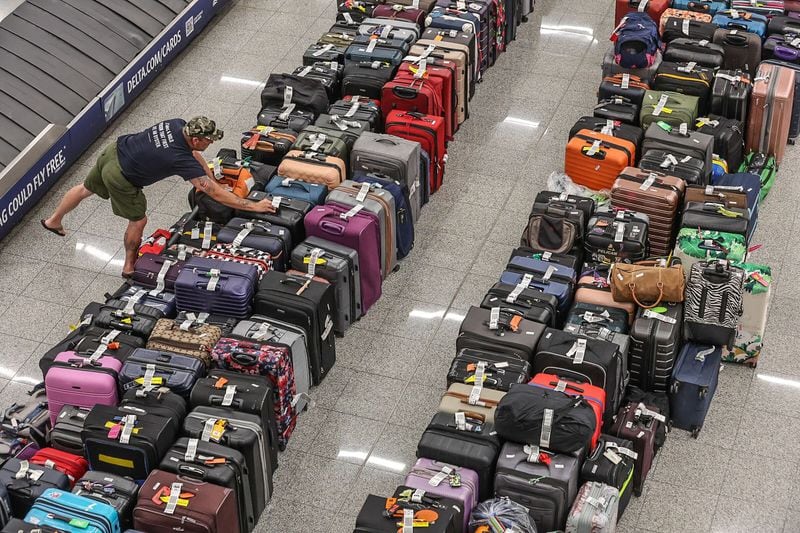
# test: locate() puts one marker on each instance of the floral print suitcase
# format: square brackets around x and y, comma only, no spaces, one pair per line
[749,339]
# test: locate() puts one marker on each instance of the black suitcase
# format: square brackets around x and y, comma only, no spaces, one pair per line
[116,491]
[501,370]
[611,88]
[612,319]
[584,359]
[728,138]
[262,235]
[686,78]
[351,129]
[690,143]
[242,432]
[217,464]
[532,303]
[742,50]
[112,444]
[372,518]
[730,94]
[704,53]
[323,52]
[476,446]
[512,334]
[622,340]
[289,213]
[252,394]
[612,463]
[224,323]
[688,168]
[358,108]
[615,128]
[715,216]
[306,93]
[329,74]
[366,78]
[617,109]
[305,303]
[565,201]
[87,338]
[397,44]
[351,257]
[620,236]
[66,432]
[655,343]
[140,321]
[295,119]
[676,28]
[25,482]
[155,368]
[158,401]
[569,261]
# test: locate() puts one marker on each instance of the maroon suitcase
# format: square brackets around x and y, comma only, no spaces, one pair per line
[639,424]
[396,11]
[200,508]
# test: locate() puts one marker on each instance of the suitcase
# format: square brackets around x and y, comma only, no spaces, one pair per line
[701,6]
[375,516]
[682,109]
[213,286]
[595,159]
[704,53]
[307,304]
[359,109]
[750,185]
[546,488]
[428,130]
[615,128]
[288,215]
[156,272]
[694,381]
[135,319]
[124,441]
[56,507]
[620,236]
[241,432]
[187,337]
[730,94]
[561,289]
[531,304]
[677,28]
[24,483]
[617,109]
[455,61]
[611,463]
[646,74]
[655,343]
[686,78]
[73,465]
[355,10]
[81,381]
[472,398]
[157,401]
[486,27]
[271,361]
[568,261]
[624,85]
[745,21]
[328,73]
[323,52]
[270,237]
[381,186]
[693,246]
[215,464]
[714,216]
[208,509]
[66,433]
[654,8]
[613,319]
[85,339]
[465,442]
[459,33]
[500,371]
[242,255]
[313,167]
[336,253]
[728,137]
[794,128]
[118,492]
[770,112]
[749,340]
[674,140]
[548,270]
[584,360]
[267,144]
[447,481]
[312,193]
[593,287]
[714,294]
[657,195]
[595,510]
[512,335]
[767,8]
[305,94]
[682,14]
[128,294]
[639,423]
[685,167]
[152,369]
[443,73]
[557,229]
[742,49]
[285,117]
[366,78]
[782,48]
[358,232]
[332,143]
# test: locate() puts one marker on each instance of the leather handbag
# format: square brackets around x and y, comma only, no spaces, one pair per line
[647,281]
[189,338]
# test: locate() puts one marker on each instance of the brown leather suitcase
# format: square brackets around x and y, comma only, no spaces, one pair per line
[200,507]
[728,196]
[656,195]
[770,112]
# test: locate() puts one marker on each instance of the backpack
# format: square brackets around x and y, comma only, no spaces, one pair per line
[636,41]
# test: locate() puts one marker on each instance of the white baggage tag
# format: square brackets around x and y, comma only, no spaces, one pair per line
[98,353]
[423,67]
[646,184]
[669,161]
[230,392]
[660,105]
[408,521]
[162,278]
[685,27]
[619,235]
[208,428]
[348,18]
[549,273]
[288,93]
[108,339]
[612,456]
[626,81]
[324,50]
[371,46]
[795,43]
[353,109]
[547,427]
[316,253]
[216,168]
[461,5]
[304,72]
[608,129]
[318,139]
[578,351]
[24,467]
[149,374]
[649,313]
[276,201]
[513,295]
[480,372]
[623,451]
[386,31]
[174,495]
[208,229]
[734,13]
[703,42]
[214,280]
[593,149]
[195,234]
[683,129]
[287,109]
[686,159]
[701,355]
[453,33]
[436,480]
[328,328]
[241,236]
[475,395]
[688,67]
[132,301]
[363,192]
[653,414]
[417,496]
[128,424]
[561,386]
[461,421]
[353,212]
[533,452]
[546,256]
[494,318]
[182,252]
[605,333]
[191,450]
[643,6]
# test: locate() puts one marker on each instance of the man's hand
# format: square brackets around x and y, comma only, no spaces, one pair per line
[262,206]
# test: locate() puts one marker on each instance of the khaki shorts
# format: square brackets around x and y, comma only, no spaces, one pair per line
[107,181]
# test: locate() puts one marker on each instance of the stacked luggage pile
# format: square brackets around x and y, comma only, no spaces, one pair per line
[164,409]
[609,324]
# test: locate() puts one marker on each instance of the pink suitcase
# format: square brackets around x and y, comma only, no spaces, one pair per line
[439,478]
[82,381]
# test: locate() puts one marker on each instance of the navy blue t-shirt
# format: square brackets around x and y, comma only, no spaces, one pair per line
[156,153]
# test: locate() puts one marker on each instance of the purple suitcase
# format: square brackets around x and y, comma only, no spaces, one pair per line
[82,381]
[782,47]
[216,287]
[157,272]
[438,478]
[359,232]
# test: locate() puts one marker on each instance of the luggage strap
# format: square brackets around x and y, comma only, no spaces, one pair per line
[701,355]
[313,258]
[162,276]
[240,237]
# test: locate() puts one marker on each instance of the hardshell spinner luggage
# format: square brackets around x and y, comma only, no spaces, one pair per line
[149,368]
[350,256]
[404,222]
[730,94]
[655,342]
[714,293]
[676,27]
[653,8]
[25,483]
[612,463]
[510,335]
[595,510]
[213,286]
[742,49]
[305,303]
[83,381]
[672,139]
[313,167]
[639,423]
[445,480]
[704,53]
[116,491]
[746,21]
[749,339]
[794,127]
[682,14]
[728,137]
[209,508]
[770,112]
[614,128]
[500,370]
[55,507]
[694,381]
[587,151]
[461,397]
[547,488]
[156,272]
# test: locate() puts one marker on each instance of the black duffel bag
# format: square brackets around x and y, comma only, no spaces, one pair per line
[520,418]
[307,93]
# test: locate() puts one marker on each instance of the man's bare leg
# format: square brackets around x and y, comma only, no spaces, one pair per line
[70,201]
[133,239]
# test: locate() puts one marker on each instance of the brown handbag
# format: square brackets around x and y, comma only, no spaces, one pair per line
[647,281]
[196,340]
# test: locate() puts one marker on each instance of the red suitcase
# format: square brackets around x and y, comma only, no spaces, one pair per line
[446,71]
[74,466]
[410,93]
[654,8]
[429,132]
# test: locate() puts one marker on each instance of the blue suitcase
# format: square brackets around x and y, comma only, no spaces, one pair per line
[216,287]
[313,193]
[404,222]
[554,271]
[560,290]
[700,6]
[745,21]
[751,186]
[694,381]
[136,294]
[162,369]
[72,513]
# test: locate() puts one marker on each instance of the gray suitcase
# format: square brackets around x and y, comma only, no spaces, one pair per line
[390,29]
[349,255]
[336,270]
[546,490]
[655,343]
[381,204]
[647,75]
[397,158]
[595,509]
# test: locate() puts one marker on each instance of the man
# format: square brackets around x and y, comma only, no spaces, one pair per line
[172,147]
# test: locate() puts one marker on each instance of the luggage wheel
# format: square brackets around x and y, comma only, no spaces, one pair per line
[695,432]
[792,141]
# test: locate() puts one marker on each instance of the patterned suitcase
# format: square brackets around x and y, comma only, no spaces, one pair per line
[693,245]
[714,294]
[595,509]
[749,340]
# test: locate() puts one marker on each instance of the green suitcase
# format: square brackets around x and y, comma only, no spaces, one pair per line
[329,142]
[764,167]
[673,108]
[693,246]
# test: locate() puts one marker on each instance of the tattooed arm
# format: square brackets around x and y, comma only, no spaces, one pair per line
[209,186]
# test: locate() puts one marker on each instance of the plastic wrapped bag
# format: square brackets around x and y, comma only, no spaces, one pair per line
[560,182]
[500,514]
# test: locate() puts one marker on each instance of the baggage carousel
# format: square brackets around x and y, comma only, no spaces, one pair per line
[68,68]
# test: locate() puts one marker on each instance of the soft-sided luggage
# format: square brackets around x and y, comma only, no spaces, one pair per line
[332,143]
[620,236]
[449,481]
[288,214]
[132,317]
[25,482]
[151,368]
[714,293]
[156,272]
[694,381]
[686,78]
[286,117]
[695,245]
[499,371]
[465,441]
[128,294]
[328,52]
[471,397]
[544,483]
[556,229]
[532,304]
[158,401]
[168,501]
[248,256]
[617,108]
[455,62]
[612,463]
[382,515]
[74,466]
[677,27]
[500,331]
[762,166]
[654,8]
[294,189]
[639,423]
[287,89]
[305,303]
[749,339]
[704,53]
[655,343]
[116,491]
[670,107]
[645,74]
[593,287]
[750,185]
[404,221]
[770,112]
[430,132]
[636,41]
[189,337]
[366,78]
[714,216]
[622,85]
[213,286]
[595,159]
[81,381]
[358,108]
[267,144]
[782,47]
[742,49]
[556,286]
[613,319]
[313,167]
[595,510]
[57,508]
[66,433]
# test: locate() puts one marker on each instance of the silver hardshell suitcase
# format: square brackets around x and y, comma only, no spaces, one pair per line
[595,509]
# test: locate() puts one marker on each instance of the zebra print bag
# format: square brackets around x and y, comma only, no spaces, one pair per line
[713,303]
